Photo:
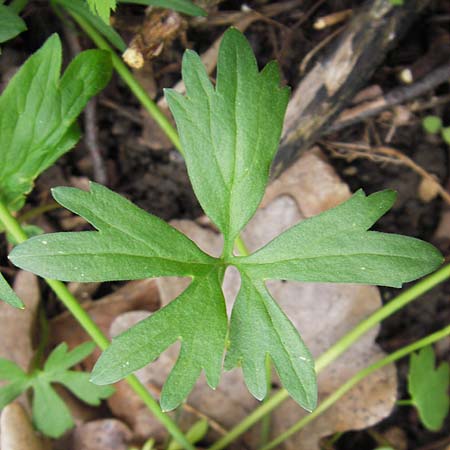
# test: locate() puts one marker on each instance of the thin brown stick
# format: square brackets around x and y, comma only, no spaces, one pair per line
[91,141]
[90,119]
[389,155]
[395,97]
[339,73]
[323,43]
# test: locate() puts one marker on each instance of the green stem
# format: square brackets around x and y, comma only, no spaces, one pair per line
[265,422]
[71,303]
[337,349]
[131,81]
[344,388]
[243,250]
[408,402]
[241,247]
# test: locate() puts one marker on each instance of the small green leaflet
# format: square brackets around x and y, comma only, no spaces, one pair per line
[8,295]
[229,134]
[198,318]
[428,387]
[10,24]
[257,319]
[50,414]
[182,6]
[432,124]
[335,247]
[38,112]
[130,243]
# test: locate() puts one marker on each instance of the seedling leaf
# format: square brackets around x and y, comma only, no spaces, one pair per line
[80,385]
[229,134]
[197,318]
[428,387]
[50,414]
[10,24]
[335,247]
[60,359]
[432,124]
[260,328]
[446,134]
[38,113]
[8,295]
[130,243]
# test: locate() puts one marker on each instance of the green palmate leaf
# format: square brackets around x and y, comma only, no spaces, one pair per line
[183,6]
[336,247]
[38,113]
[10,24]
[80,8]
[428,388]
[102,8]
[50,414]
[130,243]
[8,295]
[229,134]
[259,328]
[197,318]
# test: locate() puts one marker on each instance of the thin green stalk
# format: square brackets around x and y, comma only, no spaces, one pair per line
[242,249]
[337,349]
[344,388]
[131,81]
[265,422]
[71,303]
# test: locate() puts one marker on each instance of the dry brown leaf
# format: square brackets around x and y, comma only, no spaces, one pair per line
[18,326]
[17,433]
[106,434]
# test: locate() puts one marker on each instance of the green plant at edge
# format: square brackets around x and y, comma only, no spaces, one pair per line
[50,414]
[229,135]
[338,393]
[103,8]
[434,125]
[38,112]
[428,387]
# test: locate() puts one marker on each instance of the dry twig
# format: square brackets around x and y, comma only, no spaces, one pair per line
[383,154]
